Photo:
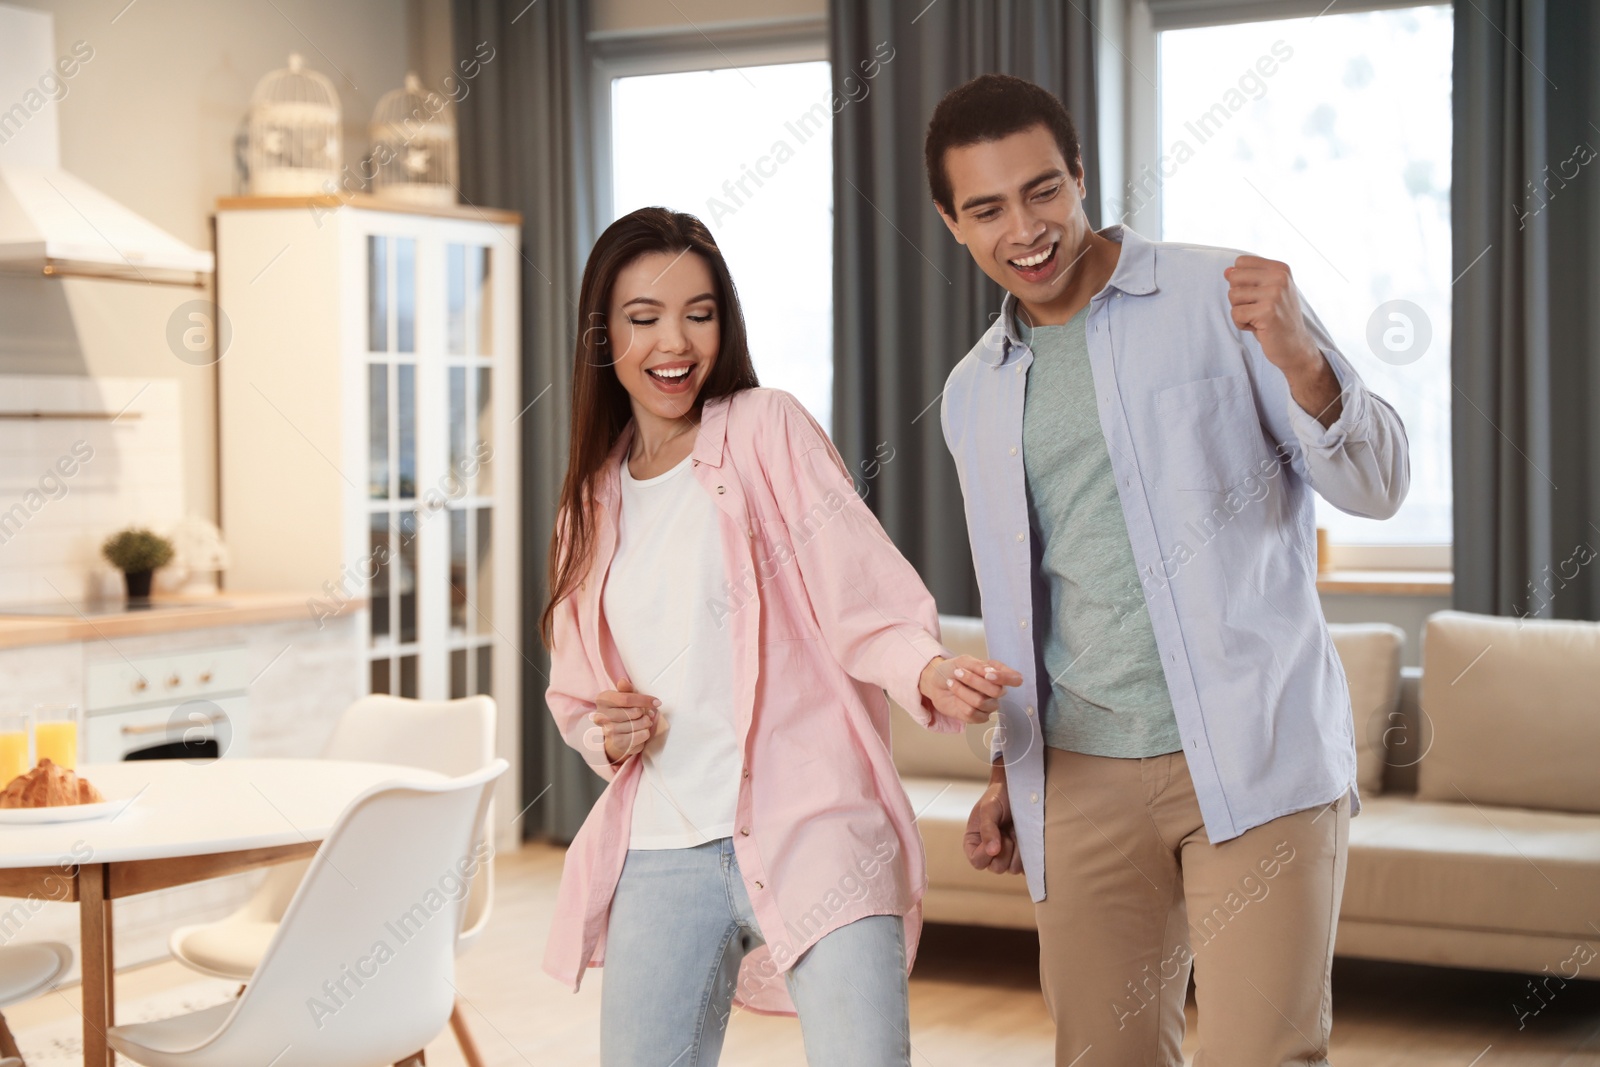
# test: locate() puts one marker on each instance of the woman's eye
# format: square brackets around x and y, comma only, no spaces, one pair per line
[699,318]
[642,322]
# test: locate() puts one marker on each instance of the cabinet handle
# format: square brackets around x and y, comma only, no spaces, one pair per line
[174,681]
[140,685]
[205,676]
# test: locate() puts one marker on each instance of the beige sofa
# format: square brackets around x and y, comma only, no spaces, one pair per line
[1478,844]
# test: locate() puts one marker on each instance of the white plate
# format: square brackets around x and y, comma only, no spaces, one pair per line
[62,813]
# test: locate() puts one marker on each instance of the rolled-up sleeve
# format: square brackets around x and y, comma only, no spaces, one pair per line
[1362,463]
[876,616]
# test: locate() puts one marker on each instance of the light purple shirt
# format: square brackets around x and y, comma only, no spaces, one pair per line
[1215,466]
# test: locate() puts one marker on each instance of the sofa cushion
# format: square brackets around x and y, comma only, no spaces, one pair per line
[943,807]
[1513,709]
[922,753]
[1370,653]
[1475,867]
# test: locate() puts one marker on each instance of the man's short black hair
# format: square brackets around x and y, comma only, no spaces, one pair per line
[987,108]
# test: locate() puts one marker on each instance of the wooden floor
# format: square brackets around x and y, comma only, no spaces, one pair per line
[974,1000]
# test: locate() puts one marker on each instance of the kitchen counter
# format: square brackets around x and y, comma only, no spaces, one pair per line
[171,614]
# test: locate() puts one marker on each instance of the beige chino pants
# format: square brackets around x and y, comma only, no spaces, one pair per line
[1136,893]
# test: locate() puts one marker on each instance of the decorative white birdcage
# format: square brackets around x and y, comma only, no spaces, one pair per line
[294,133]
[413,137]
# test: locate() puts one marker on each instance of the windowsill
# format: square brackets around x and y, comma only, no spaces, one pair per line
[1385,583]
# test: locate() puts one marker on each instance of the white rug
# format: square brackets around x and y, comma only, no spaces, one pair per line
[60,1044]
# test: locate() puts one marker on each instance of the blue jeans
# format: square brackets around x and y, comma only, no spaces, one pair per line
[680,924]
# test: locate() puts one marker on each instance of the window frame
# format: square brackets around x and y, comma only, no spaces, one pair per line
[674,50]
[1128,61]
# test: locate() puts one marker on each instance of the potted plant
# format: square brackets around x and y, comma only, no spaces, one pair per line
[137,552]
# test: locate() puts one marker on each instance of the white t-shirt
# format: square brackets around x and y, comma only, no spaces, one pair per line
[667,571]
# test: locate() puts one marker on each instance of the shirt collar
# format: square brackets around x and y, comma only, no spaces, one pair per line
[708,446]
[1135,275]
[713,432]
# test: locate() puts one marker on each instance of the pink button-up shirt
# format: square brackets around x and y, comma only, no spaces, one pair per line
[825,615]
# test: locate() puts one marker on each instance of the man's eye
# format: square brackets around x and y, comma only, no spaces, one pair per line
[1046,194]
[985,216]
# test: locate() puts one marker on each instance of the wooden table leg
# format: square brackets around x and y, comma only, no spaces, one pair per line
[99,972]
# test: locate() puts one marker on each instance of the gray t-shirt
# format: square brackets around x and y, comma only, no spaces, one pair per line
[1108,696]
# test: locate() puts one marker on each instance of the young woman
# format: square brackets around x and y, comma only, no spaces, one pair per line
[725,616]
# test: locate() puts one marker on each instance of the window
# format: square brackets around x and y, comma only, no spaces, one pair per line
[1327,146]
[750,151]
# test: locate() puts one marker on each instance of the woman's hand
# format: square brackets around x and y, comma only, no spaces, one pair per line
[966,688]
[627,719]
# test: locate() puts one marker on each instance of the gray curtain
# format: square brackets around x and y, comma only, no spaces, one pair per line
[525,144]
[1526,321]
[908,300]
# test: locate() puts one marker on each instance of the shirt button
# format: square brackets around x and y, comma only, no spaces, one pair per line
[760,886]
[1033,798]
[1013,450]
[1024,624]
[747,772]
[1127,481]
[697,463]
[1019,368]
[1021,537]
[720,489]
[744,831]
[1029,709]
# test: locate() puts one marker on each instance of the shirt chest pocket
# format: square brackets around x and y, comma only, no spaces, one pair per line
[1208,436]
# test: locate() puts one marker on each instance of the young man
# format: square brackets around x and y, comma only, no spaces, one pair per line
[1138,438]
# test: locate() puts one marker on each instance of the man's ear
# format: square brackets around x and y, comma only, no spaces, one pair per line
[950,223]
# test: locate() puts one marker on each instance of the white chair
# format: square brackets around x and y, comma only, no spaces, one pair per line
[26,970]
[361,970]
[451,737]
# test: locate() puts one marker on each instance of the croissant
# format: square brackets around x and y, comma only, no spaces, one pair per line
[48,786]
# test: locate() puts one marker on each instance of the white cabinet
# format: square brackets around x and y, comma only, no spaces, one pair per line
[368,398]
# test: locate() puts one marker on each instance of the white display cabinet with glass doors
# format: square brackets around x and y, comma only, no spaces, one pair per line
[368,398]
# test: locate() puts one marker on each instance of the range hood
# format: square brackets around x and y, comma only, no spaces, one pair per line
[52,223]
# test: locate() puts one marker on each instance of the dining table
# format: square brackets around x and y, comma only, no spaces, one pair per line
[184,821]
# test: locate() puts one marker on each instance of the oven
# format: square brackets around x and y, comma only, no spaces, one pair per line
[181,705]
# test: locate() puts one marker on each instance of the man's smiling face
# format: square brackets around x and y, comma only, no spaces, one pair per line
[1019,211]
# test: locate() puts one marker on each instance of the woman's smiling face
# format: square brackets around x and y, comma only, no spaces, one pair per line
[664,329]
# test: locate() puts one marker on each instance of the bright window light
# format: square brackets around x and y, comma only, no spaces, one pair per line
[750,151]
[1325,143]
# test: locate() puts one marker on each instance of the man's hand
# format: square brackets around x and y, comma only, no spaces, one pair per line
[965,688]
[1265,303]
[627,719]
[991,839]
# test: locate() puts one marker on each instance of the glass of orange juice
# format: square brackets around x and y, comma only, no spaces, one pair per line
[55,734]
[14,745]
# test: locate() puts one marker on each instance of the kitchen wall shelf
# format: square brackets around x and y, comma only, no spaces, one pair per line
[368,448]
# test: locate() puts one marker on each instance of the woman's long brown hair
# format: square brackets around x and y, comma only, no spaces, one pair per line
[600,405]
